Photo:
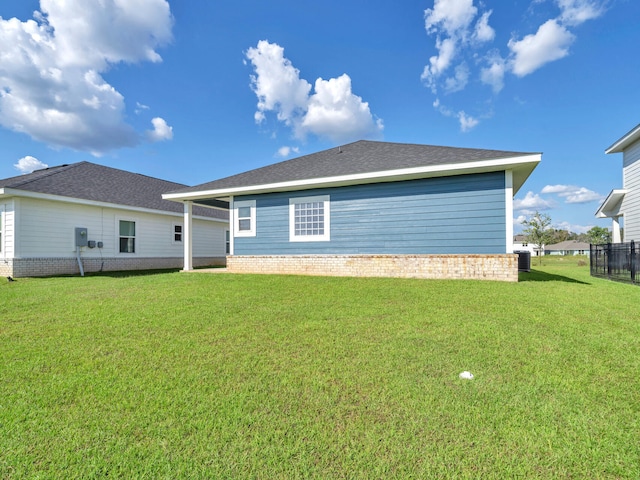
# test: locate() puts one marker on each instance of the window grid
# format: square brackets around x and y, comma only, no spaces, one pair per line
[309,218]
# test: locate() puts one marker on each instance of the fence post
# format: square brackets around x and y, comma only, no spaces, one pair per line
[608,261]
[633,262]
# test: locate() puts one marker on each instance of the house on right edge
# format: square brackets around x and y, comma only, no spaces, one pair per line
[625,202]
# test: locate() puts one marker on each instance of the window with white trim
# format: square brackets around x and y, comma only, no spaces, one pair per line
[1,218]
[227,242]
[177,233]
[127,231]
[309,219]
[244,218]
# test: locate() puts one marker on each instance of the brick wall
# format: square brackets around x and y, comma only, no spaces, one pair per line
[42,267]
[472,267]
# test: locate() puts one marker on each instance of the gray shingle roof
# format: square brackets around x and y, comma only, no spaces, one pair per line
[360,157]
[88,181]
[567,245]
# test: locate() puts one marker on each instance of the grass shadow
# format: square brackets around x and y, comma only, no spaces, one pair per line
[538,276]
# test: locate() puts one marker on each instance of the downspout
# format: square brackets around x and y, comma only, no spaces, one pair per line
[79,261]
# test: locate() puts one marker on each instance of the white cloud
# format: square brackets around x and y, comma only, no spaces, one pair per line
[519,220]
[333,111]
[277,83]
[461,29]
[531,203]
[28,164]
[467,122]
[451,21]
[51,84]
[571,227]
[459,80]
[483,31]
[451,16]
[573,194]
[575,12]
[493,75]
[285,151]
[161,131]
[551,42]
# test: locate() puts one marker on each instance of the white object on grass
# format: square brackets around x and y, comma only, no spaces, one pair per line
[466,375]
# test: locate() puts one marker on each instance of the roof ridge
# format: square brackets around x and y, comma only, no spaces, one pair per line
[53,171]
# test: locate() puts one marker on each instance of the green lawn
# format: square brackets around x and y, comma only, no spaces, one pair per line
[173,375]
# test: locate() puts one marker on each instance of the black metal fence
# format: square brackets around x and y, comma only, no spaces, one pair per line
[616,261]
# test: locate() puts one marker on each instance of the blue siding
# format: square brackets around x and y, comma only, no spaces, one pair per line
[463,214]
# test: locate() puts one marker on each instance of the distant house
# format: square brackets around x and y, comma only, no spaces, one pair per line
[568,247]
[375,209]
[520,244]
[85,217]
[625,202]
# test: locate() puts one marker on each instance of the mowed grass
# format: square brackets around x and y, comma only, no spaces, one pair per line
[173,375]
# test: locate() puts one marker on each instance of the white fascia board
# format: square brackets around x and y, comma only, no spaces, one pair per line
[611,205]
[524,162]
[625,141]
[93,203]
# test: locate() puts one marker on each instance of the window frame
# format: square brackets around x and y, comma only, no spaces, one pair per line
[237,205]
[326,201]
[174,233]
[120,237]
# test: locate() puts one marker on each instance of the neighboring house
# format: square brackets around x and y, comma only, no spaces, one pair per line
[568,247]
[520,244]
[625,202]
[375,209]
[87,217]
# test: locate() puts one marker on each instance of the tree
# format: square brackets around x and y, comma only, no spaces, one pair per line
[599,235]
[538,231]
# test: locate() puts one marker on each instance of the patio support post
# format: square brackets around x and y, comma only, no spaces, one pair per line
[617,238]
[188,236]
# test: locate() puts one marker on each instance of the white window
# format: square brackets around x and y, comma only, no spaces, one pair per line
[127,236]
[245,218]
[227,242]
[1,217]
[177,233]
[309,219]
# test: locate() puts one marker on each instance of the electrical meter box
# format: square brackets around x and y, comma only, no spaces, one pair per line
[82,237]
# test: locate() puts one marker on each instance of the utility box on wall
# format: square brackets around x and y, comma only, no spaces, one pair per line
[82,237]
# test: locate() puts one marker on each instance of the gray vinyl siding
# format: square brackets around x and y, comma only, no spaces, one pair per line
[450,215]
[631,203]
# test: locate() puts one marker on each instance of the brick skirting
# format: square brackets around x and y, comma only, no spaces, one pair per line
[43,267]
[471,267]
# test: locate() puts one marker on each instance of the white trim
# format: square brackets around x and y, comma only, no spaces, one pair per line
[173,232]
[3,235]
[187,236]
[252,218]
[327,219]
[231,223]
[621,144]
[508,201]
[611,205]
[11,192]
[118,236]
[527,162]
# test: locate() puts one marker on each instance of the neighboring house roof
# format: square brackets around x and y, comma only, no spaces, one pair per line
[567,245]
[520,238]
[627,139]
[364,162]
[97,183]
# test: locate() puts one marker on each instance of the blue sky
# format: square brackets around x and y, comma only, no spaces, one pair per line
[199,90]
